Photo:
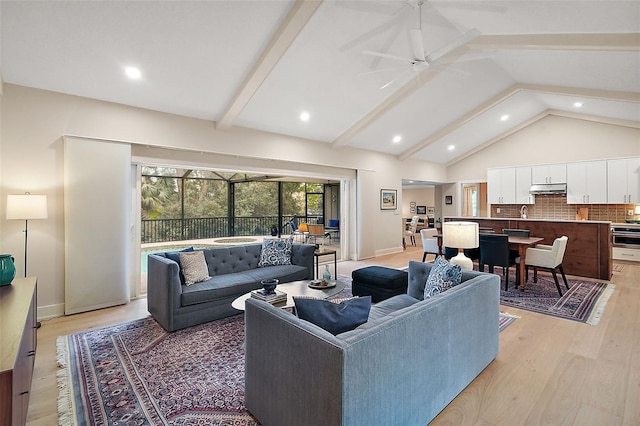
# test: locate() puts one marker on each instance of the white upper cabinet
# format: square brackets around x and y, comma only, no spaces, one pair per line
[623,184]
[587,182]
[523,184]
[549,173]
[501,185]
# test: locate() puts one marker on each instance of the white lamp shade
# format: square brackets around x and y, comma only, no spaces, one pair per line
[461,235]
[637,211]
[26,206]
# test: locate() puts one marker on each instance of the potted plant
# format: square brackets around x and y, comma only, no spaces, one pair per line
[274,229]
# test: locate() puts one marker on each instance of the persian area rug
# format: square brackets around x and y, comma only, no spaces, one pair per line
[139,374]
[584,301]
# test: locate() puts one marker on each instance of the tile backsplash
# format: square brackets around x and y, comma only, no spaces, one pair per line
[556,207]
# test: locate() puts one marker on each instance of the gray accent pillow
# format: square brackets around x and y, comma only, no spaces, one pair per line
[443,276]
[194,267]
[175,256]
[275,251]
[336,318]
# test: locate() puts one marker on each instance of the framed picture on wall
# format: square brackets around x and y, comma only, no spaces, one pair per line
[412,210]
[421,210]
[448,199]
[431,210]
[388,199]
[412,204]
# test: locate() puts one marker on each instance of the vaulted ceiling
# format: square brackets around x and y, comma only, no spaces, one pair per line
[499,65]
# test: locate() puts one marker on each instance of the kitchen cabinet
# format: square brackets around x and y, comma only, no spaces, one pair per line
[587,182]
[549,173]
[501,185]
[623,180]
[523,184]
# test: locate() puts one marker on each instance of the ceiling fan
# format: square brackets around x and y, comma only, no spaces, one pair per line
[421,60]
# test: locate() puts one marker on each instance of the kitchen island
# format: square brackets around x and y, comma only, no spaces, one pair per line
[589,248]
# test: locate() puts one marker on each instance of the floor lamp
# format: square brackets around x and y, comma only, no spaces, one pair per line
[25,207]
[461,235]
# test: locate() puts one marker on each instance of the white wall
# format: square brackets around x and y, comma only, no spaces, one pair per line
[421,196]
[31,159]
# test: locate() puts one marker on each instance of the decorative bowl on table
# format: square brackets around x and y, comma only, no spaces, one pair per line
[269,285]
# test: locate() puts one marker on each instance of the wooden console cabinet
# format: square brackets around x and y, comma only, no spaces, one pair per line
[17,349]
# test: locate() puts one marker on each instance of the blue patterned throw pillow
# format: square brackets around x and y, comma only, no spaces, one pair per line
[443,276]
[275,251]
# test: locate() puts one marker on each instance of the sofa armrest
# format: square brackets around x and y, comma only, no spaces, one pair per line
[291,366]
[163,289]
[302,255]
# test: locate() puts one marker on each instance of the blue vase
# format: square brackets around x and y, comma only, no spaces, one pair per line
[7,269]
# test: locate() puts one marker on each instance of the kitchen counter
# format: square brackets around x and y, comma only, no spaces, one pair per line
[589,250]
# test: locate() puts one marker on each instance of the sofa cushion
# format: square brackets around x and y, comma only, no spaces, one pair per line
[443,276]
[334,317]
[193,267]
[239,283]
[175,256]
[275,251]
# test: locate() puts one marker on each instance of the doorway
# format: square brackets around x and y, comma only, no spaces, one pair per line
[474,199]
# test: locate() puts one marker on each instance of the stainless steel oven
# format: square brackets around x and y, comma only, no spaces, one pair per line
[626,241]
[626,236]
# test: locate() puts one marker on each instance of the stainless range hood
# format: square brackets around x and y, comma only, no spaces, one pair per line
[548,188]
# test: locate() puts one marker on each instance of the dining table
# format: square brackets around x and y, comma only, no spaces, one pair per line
[520,244]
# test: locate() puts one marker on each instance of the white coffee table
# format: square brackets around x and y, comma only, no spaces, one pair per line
[295,289]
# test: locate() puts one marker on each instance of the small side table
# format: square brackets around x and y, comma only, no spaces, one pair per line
[324,252]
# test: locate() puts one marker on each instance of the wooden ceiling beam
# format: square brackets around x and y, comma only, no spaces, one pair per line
[295,21]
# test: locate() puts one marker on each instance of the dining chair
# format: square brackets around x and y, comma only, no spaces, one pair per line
[548,257]
[516,233]
[429,242]
[494,251]
[411,231]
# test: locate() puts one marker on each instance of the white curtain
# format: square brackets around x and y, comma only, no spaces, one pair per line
[97,212]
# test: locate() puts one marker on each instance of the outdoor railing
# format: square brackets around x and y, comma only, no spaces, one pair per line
[160,230]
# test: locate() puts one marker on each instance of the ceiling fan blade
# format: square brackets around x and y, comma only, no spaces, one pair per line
[417,44]
[394,79]
[460,41]
[391,69]
[385,55]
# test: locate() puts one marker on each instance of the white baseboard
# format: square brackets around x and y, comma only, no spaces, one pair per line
[391,250]
[50,311]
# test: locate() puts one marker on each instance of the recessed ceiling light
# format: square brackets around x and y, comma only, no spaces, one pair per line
[397,139]
[133,73]
[451,147]
[305,116]
[577,104]
[504,117]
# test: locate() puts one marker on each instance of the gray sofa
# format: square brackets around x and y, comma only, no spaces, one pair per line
[402,367]
[234,271]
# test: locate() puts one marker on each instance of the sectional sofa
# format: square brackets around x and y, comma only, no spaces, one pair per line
[402,367]
[234,271]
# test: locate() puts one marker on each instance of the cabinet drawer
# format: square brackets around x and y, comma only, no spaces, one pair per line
[622,253]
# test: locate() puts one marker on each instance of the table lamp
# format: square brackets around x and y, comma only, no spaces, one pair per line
[461,235]
[26,207]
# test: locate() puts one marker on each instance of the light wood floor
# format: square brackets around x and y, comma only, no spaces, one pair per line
[549,370]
